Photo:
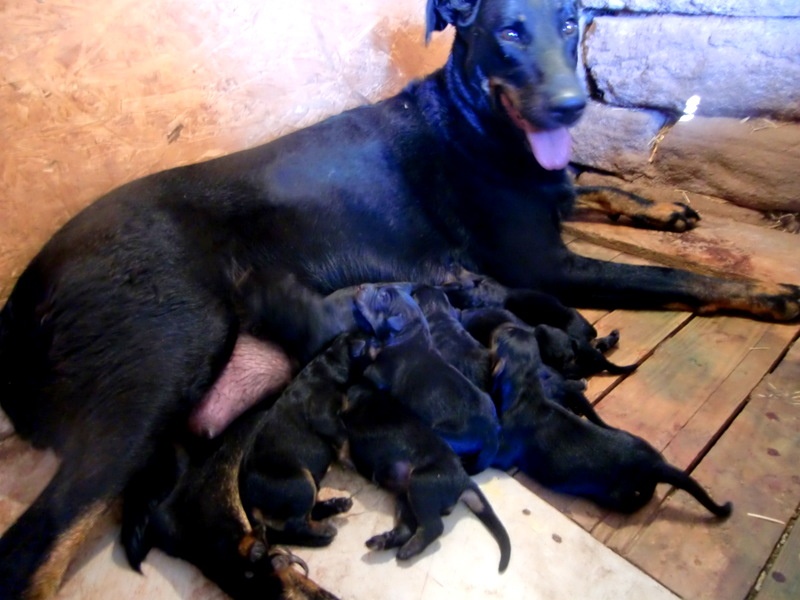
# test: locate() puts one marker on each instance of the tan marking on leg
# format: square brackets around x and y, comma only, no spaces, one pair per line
[297,586]
[47,578]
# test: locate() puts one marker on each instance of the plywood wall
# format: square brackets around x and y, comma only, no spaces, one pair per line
[94,93]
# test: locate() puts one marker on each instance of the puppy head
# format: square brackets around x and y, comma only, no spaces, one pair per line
[516,358]
[558,350]
[388,312]
[516,346]
[433,300]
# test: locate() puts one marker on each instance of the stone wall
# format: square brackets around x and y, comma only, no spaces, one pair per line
[739,59]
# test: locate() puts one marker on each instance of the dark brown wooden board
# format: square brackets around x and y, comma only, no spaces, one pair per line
[754,464]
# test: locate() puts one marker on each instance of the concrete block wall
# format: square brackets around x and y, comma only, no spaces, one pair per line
[736,61]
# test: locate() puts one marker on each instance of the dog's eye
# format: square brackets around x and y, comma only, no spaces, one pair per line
[509,34]
[570,27]
[383,297]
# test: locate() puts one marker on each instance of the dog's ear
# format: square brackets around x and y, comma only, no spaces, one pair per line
[441,13]
[396,322]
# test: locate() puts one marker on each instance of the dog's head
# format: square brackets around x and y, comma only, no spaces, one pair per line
[389,312]
[516,358]
[523,54]
[433,300]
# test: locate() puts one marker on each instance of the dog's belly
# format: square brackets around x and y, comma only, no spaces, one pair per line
[255,368]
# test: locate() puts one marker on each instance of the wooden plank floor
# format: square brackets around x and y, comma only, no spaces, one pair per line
[719,396]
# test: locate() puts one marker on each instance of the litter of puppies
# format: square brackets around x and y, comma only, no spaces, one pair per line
[413,402]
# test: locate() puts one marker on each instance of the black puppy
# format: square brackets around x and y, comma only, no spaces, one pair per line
[126,320]
[413,371]
[297,440]
[392,446]
[187,503]
[450,338]
[568,342]
[517,359]
[577,358]
[614,468]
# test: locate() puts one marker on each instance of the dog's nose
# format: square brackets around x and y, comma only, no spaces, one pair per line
[567,108]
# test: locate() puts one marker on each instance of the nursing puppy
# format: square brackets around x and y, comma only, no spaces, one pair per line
[615,469]
[453,342]
[410,368]
[296,442]
[390,445]
[187,503]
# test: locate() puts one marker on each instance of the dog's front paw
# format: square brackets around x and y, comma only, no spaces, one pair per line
[782,304]
[666,216]
[763,300]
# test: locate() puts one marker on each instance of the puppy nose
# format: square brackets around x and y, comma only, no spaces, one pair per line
[567,108]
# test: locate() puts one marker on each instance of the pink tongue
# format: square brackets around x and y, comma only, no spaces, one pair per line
[552,148]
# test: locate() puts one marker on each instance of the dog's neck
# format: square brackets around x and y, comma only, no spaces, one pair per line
[473,116]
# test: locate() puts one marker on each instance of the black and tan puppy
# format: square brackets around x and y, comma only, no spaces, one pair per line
[412,370]
[265,470]
[187,503]
[575,358]
[297,440]
[568,342]
[390,445]
[454,343]
[518,360]
[560,450]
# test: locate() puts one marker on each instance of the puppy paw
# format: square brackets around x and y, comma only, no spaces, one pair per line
[390,539]
[331,507]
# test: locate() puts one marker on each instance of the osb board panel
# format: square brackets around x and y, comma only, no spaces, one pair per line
[754,464]
[94,93]
[717,245]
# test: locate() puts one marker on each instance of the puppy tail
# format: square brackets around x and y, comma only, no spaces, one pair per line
[679,479]
[479,505]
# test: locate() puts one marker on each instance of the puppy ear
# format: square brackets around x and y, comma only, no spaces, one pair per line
[499,367]
[358,347]
[441,13]
[396,322]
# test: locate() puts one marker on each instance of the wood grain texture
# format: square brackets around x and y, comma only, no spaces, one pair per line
[755,465]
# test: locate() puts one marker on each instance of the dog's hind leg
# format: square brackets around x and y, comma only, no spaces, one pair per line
[425,499]
[114,388]
[37,549]
[405,525]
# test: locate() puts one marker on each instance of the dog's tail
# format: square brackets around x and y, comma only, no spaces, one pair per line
[674,476]
[479,505]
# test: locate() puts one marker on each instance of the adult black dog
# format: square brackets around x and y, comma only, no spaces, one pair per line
[124,322]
